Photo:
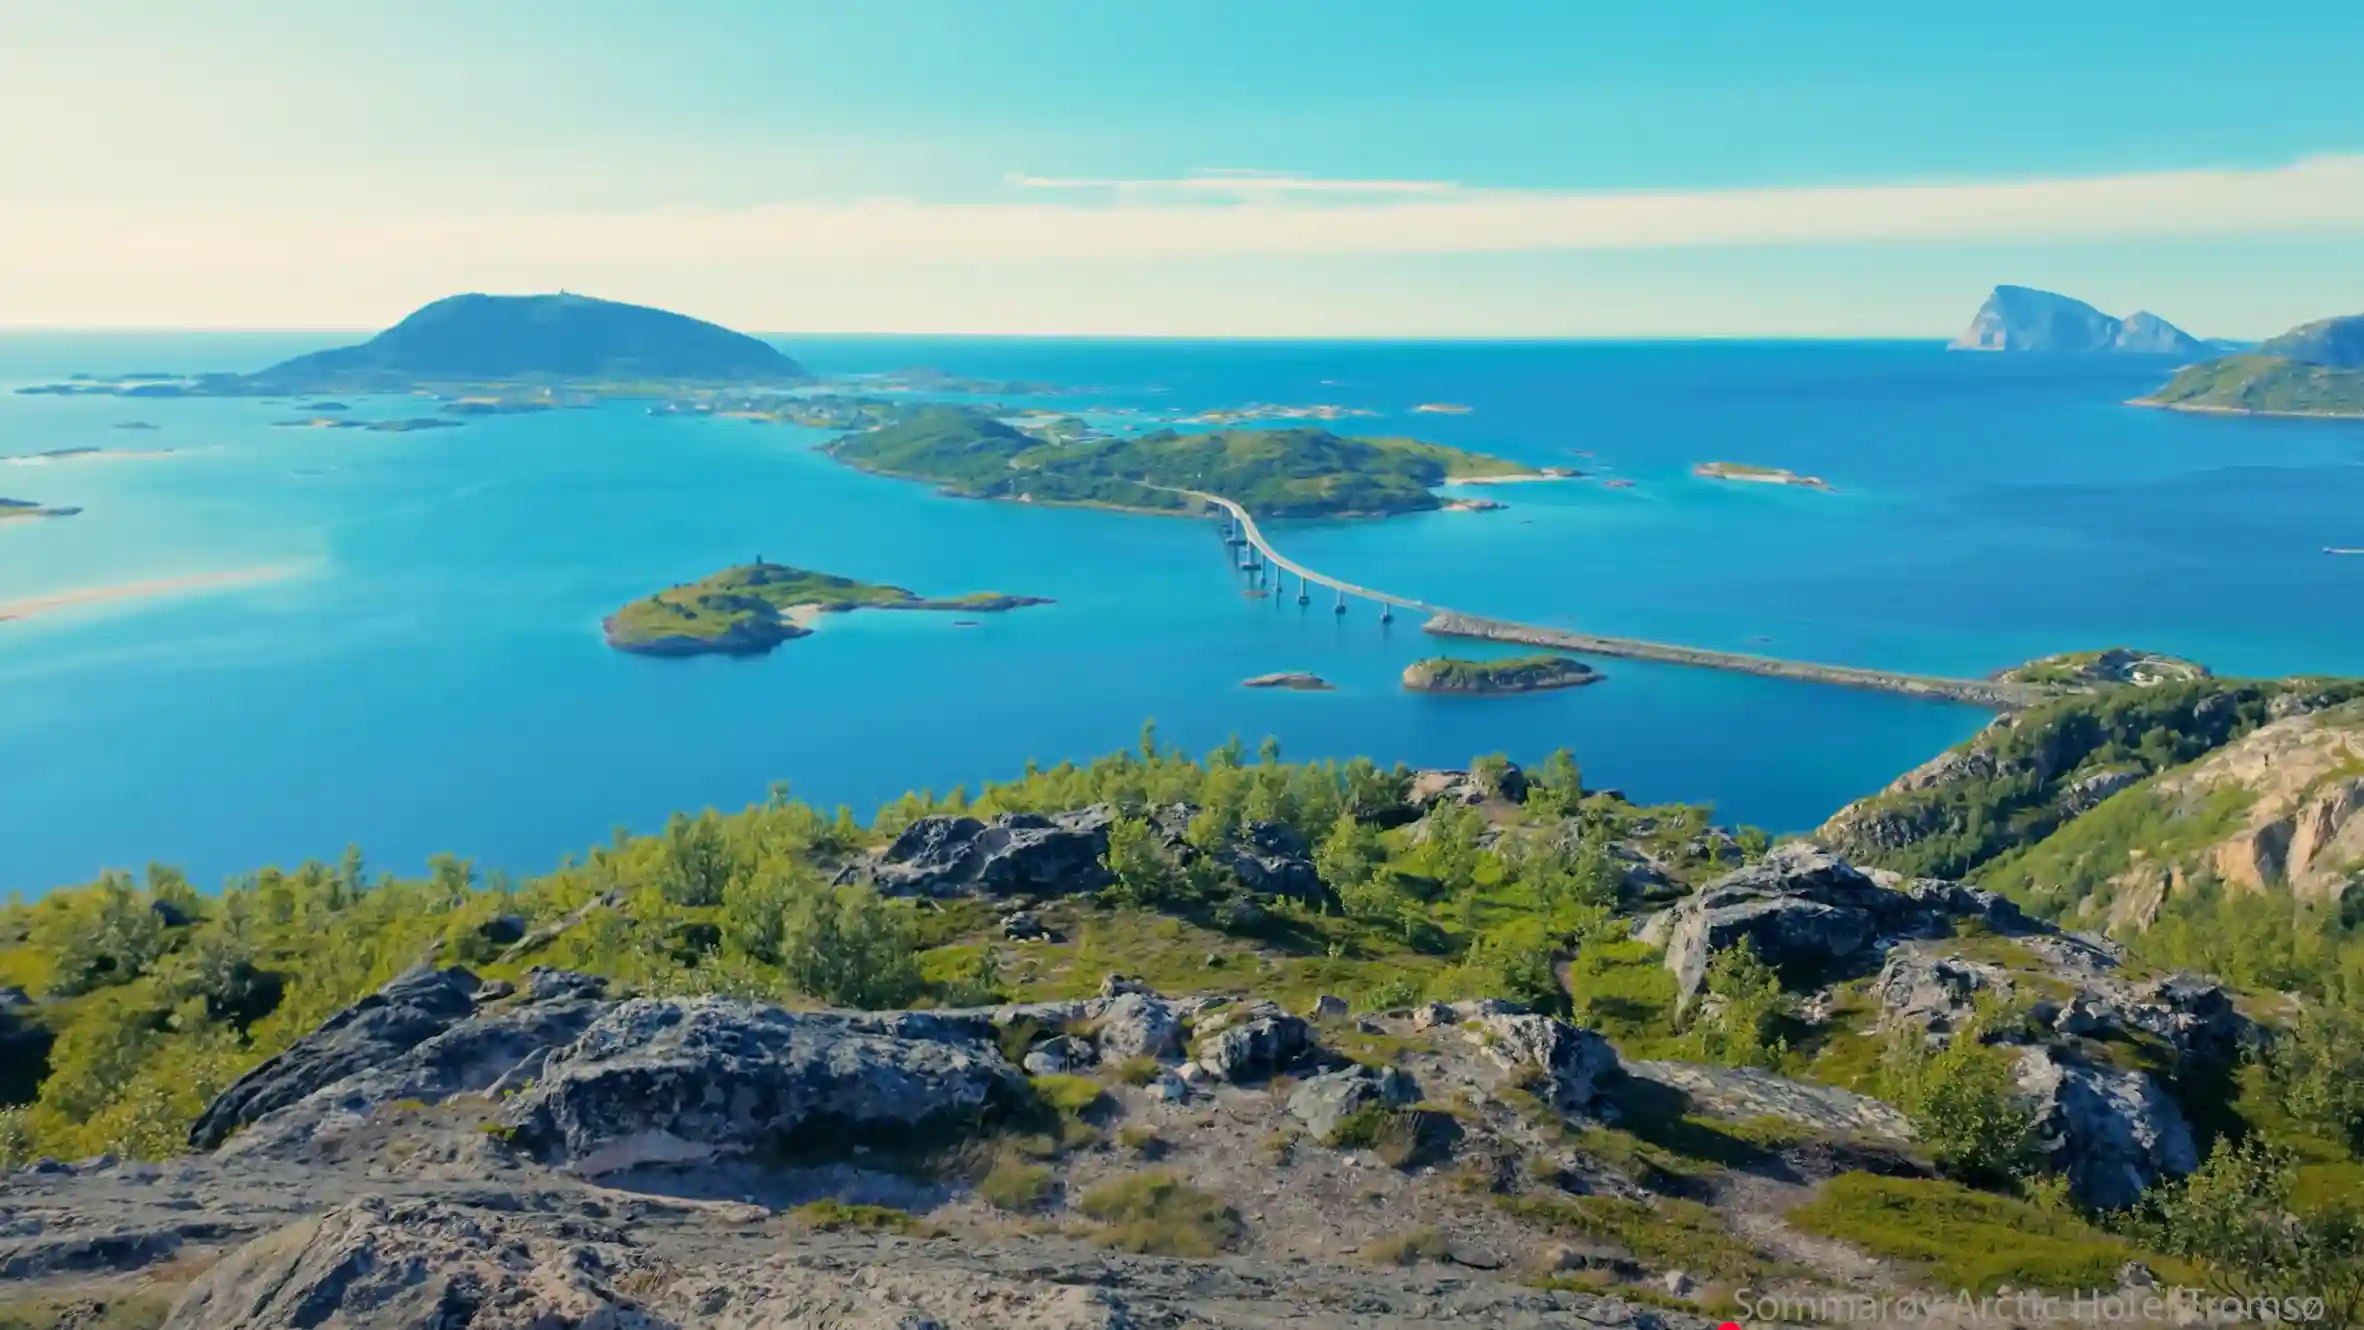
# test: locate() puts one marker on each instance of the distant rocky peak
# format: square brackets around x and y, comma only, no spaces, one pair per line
[2023,318]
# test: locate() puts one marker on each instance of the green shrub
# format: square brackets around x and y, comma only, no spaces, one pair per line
[1142,1139]
[1964,1106]
[851,949]
[831,1215]
[1408,1248]
[1015,1185]
[1069,1094]
[1159,1214]
[1136,1071]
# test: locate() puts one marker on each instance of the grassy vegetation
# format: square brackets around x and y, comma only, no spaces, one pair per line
[1969,1239]
[134,1311]
[138,1022]
[2265,383]
[1665,1233]
[1069,1094]
[1509,674]
[831,1215]
[1159,1214]
[1271,472]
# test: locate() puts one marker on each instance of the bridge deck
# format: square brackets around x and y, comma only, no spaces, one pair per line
[1445,622]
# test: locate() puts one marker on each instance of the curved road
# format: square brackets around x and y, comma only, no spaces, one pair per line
[1445,622]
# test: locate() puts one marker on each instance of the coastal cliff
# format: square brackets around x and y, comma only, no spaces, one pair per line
[2022,318]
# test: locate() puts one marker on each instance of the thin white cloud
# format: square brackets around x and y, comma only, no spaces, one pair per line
[1238,182]
[68,264]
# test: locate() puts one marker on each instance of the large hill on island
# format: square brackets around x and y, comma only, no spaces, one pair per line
[564,337]
[1270,472]
[2315,369]
[2022,318]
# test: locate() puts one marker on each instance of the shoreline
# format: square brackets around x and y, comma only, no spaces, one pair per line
[2203,409]
[49,603]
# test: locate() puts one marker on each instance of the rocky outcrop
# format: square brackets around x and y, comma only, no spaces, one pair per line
[1433,787]
[1747,1092]
[682,1080]
[1011,854]
[2110,1132]
[1053,854]
[1253,1041]
[1934,995]
[1569,1064]
[378,1029]
[1805,909]
[502,1044]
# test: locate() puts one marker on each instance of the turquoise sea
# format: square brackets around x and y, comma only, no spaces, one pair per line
[431,677]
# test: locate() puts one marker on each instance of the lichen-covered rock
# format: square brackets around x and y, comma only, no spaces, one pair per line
[1574,1063]
[2111,1132]
[676,1080]
[1322,1102]
[408,1011]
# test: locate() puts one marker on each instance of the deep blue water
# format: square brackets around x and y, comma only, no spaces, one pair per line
[432,678]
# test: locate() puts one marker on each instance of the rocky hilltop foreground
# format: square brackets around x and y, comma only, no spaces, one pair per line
[1243,1043]
[2022,318]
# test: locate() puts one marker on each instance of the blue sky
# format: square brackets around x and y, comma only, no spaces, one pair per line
[1279,168]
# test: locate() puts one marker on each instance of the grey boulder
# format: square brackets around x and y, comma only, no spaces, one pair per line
[1322,1102]
[1570,1063]
[2111,1132]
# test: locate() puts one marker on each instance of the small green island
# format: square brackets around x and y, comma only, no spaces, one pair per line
[748,610]
[1761,475]
[1301,472]
[1510,674]
[13,509]
[2083,670]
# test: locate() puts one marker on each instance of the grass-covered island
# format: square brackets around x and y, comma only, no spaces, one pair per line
[2264,386]
[1513,674]
[752,608]
[1270,472]
[1762,475]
